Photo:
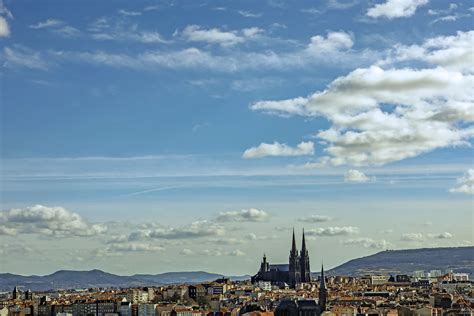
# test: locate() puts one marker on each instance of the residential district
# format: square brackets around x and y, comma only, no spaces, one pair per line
[275,290]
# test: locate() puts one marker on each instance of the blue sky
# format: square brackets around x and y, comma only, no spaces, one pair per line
[196,132]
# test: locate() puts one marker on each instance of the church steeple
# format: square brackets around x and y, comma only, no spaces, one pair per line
[294,269]
[293,244]
[305,270]
[322,291]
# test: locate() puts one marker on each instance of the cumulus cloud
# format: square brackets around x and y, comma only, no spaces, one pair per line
[333,42]
[194,33]
[356,176]
[51,221]
[412,237]
[250,215]
[197,229]
[333,231]
[368,243]
[395,8]
[465,183]
[417,237]
[315,219]
[380,115]
[276,149]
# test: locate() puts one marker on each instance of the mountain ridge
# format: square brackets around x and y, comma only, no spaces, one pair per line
[458,259]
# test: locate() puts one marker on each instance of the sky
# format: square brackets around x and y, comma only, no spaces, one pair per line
[156,136]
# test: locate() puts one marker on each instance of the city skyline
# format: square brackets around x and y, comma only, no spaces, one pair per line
[160,136]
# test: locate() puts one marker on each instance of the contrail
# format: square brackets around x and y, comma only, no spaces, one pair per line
[155,190]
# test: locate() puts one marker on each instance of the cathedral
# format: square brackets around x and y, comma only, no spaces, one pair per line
[297,270]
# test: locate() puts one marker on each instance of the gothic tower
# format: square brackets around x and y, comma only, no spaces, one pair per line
[304,263]
[294,265]
[323,292]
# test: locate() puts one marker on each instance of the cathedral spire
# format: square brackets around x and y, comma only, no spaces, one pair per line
[293,243]
[303,244]
[322,291]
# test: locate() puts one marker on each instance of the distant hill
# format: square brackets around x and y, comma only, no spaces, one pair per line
[460,259]
[65,279]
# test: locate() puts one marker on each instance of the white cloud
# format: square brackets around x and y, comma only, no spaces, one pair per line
[220,253]
[368,243]
[428,108]
[249,14]
[194,33]
[7,231]
[341,4]
[67,31]
[20,56]
[418,237]
[313,11]
[225,61]
[451,52]
[356,176]
[145,37]
[250,215]
[412,237]
[452,7]
[47,24]
[51,221]
[333,231]
[276,149]
[333,42]
[105,29]
[211,252]
[129,13]
[196,229]
[395,8]
[4,28]
[315,219]
[445,235]
[465,183]
[236,253]
[186,252]
[134,247]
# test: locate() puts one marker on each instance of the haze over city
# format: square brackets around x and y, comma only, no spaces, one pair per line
[154,136]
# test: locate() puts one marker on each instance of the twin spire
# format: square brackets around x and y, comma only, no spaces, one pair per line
[293,244]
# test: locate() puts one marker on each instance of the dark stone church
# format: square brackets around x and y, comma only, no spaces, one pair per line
[297,270]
